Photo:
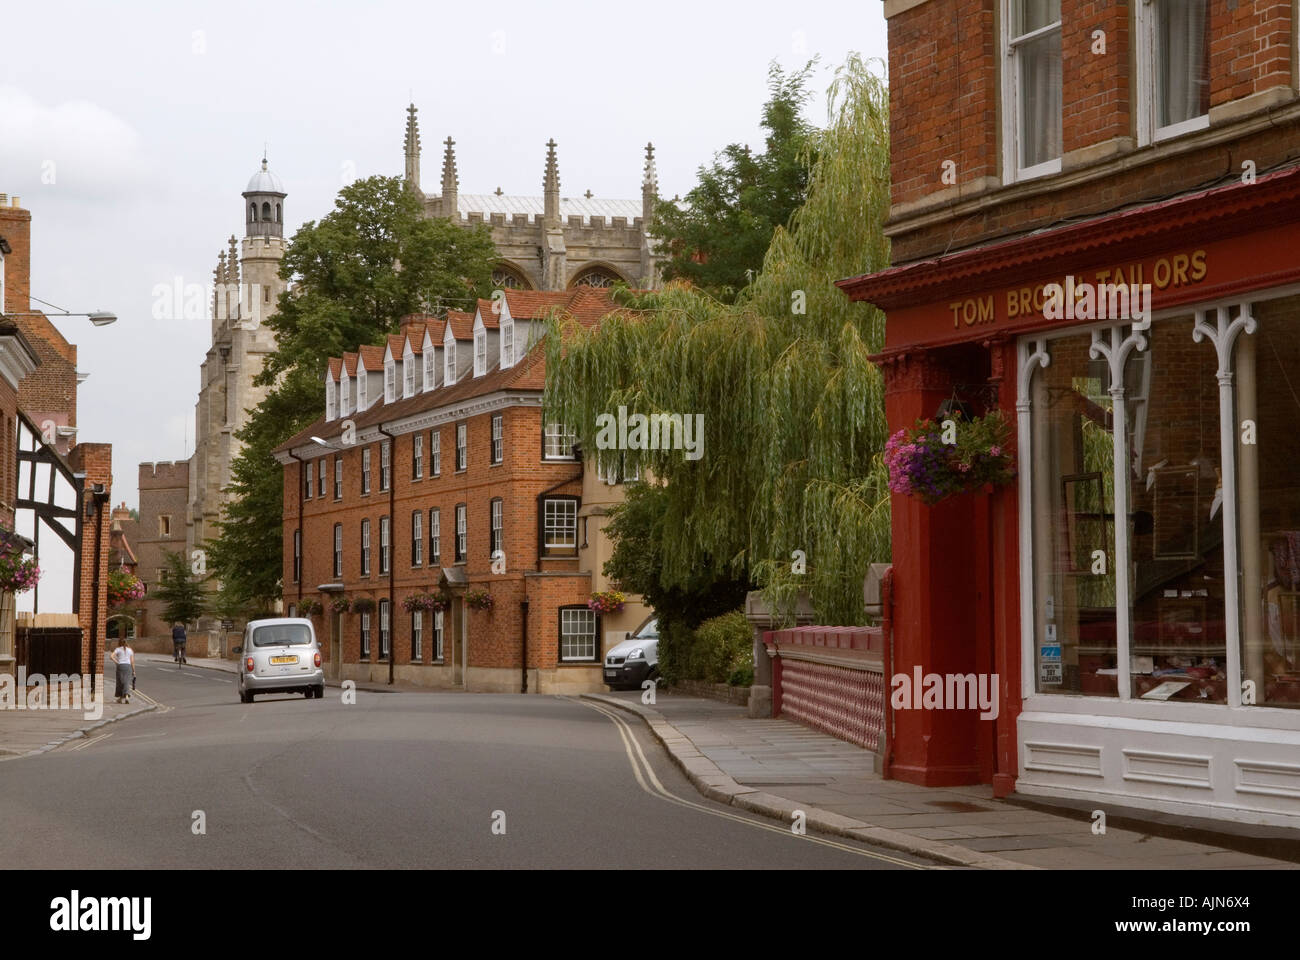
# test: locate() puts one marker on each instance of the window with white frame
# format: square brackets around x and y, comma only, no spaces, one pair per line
[365,635]
[365,548]
[558,440]
[435,536]
[338,550]
[417,456]
[408,376]
[1173,54]
[390,380]
[498,441]
[496,541]
[365,470]
[338,478]
[362,377]
[480,352]
[1032,88]
[385,542]
[559,527]
[462,532]
[507,342]
[1212,604]
[577,634]
[430,367]
[417,635]
[437,634]
[331,410]
[321,479]
[345,395]
[449,359]
[417,538]
[462,446]
[385,465]
[297,555]
[435,453]
[308,486]
[385,628]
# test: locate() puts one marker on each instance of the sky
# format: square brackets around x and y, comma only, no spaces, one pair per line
[129,131]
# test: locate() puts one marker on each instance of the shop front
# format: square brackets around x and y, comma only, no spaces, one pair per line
[1136,590]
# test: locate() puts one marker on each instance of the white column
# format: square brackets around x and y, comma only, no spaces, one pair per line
[1032,354]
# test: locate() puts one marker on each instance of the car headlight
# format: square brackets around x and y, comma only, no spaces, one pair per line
[635,654]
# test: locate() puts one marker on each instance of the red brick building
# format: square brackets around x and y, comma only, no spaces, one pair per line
[1095,211]
[433,472]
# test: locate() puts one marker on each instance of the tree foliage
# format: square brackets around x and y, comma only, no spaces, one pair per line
[372,260]
[718,236]
[181,594]
[793,407]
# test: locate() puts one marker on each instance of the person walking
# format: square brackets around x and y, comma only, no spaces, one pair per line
[124,658]
[178,643]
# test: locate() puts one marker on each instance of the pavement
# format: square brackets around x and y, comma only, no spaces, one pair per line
[775,767]
[32,731]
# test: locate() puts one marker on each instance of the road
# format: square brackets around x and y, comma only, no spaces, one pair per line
[400,780]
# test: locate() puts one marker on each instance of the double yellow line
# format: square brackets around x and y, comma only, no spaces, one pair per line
[646,779]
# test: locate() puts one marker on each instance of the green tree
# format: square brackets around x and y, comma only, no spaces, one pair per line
[372,260]
[793,411]
[718,236]
[182,596]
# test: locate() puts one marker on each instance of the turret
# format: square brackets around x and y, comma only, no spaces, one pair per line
[412,152]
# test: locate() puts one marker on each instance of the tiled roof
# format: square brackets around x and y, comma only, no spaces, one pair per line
[350,364]
[371,356]
[462,324]
[335,368]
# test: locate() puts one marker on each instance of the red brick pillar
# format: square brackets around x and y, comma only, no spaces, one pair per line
[95,460]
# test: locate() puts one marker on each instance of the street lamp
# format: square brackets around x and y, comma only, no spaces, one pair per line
[100,318]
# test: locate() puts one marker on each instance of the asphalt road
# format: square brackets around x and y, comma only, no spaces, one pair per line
[402,780]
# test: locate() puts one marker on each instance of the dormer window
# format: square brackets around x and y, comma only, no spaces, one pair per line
[449,359]
[430,368]
[345,395]
[408,376]
[507,342]
[361,388]
[390,380]
[331,410]
[480,352]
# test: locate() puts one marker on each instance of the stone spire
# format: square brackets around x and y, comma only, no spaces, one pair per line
[232,262]
[450,182]
[551,184]
[649,184]
[412,150]
[218,278]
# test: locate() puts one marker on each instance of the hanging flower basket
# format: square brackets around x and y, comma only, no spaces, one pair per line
[932,463]
[340,605]
[479,599]
[309,608]
[607,601]
[18,574]
[123,588]
[425,601]
[363,605]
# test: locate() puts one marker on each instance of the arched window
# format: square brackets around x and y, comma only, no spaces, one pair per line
[266,211]
[508,278]
[278,218]
[596,277]
[252,212]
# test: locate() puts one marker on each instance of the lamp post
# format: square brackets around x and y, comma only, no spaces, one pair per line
[100,318]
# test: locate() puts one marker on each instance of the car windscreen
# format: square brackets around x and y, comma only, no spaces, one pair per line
[278,634]
[649,632]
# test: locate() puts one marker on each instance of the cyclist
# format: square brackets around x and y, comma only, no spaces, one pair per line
[178,643]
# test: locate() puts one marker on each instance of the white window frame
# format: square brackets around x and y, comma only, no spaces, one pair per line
[554,436]
[417,635]
[297,555]
[338,550]
[338,478]
[569,511]
[365,546]
[362,377]
[365,471]
[497,533]
[448,357]
[480,350]
[435,535]
[498,438]
[462,446]
[574,615]
[385,545]
[1012,171]
[385,464]
[322,477]
[345,394]
[385,629]
[390,380]
[365,635]
[331,402]
[438,632]
[435,453]
[507,342]
[430,367]
[408,374]
[1144,32]
[417,538]
[462,532]
[417,456]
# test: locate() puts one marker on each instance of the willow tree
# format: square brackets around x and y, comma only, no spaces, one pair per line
[790,489]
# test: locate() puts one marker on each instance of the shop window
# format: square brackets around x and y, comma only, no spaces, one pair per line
[1032,90]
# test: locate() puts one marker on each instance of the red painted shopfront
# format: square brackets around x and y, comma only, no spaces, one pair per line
[976,582]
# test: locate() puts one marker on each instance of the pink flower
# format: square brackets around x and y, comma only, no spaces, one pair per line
[995,450]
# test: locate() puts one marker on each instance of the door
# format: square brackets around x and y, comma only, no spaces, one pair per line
[336,645]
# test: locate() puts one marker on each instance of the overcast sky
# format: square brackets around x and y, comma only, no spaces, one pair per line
[149,118]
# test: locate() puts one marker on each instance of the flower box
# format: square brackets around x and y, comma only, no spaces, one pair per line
[935,460]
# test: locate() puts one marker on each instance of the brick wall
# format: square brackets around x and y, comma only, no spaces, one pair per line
[945,94]
[95,460]
[164,492]
[494,637]
[16,228]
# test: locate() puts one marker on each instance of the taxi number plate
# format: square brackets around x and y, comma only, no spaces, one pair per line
[284,659]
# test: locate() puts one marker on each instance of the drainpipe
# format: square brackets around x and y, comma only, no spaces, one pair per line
[887,623]
[523,659]
[392,548]
[302,552]
[99,499]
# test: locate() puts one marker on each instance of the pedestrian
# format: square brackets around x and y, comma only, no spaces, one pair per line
[178,643]
[124,657]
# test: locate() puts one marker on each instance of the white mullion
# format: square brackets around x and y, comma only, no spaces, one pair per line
[1223,334]
[1029,361]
